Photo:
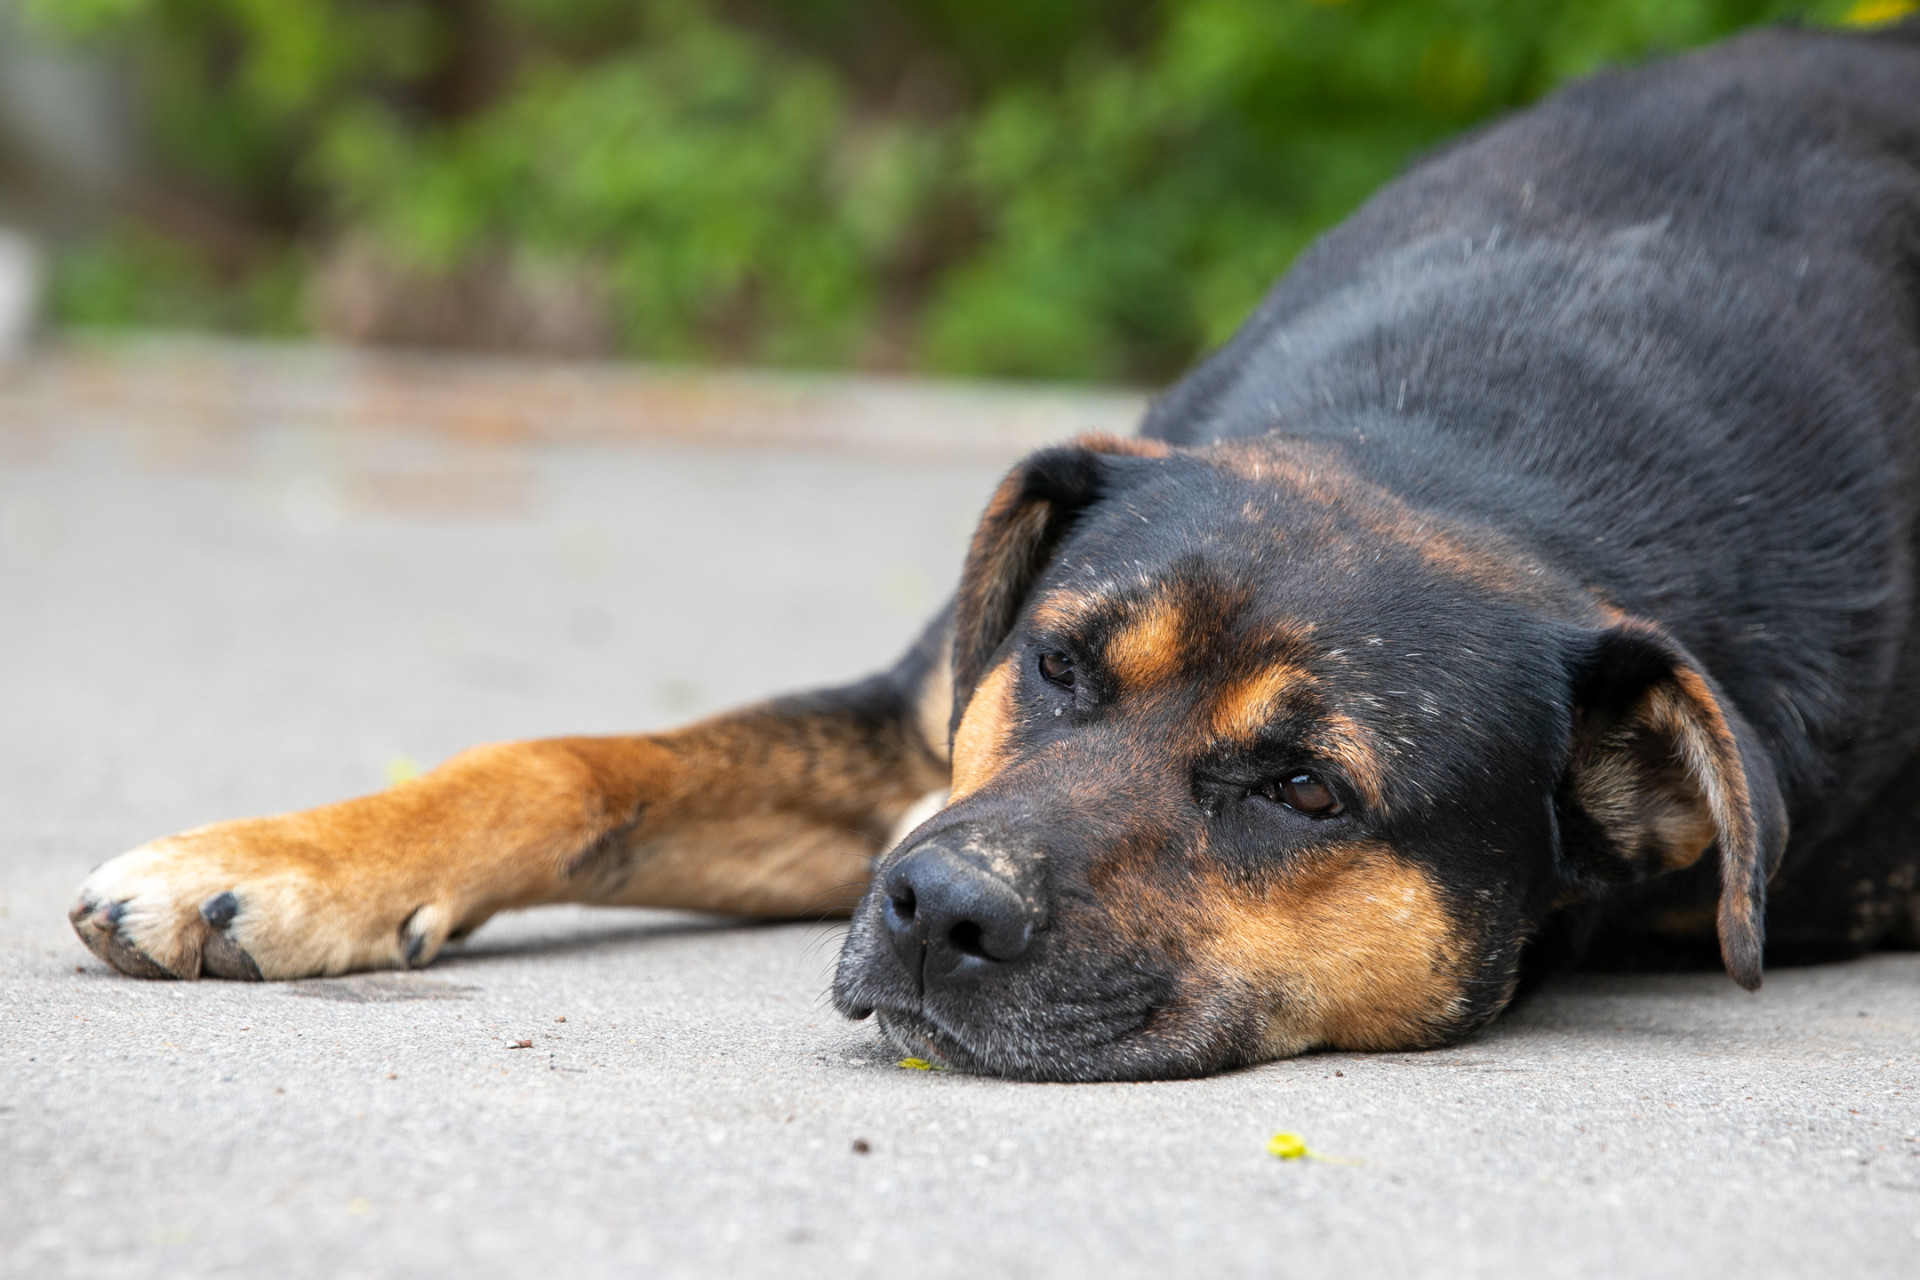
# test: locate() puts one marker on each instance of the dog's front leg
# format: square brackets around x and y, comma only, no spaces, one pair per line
[773,810]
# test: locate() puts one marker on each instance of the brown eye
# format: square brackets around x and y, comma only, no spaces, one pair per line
[1057,668]
[1309,795]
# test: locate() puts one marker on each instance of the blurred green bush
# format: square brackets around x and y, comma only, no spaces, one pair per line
[1061,188]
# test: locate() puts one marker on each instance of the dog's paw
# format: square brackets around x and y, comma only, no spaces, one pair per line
[233,901]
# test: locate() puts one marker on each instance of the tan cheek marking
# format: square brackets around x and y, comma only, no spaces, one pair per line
[1145,651]
[979,745]
[1356,952]
[1246,706]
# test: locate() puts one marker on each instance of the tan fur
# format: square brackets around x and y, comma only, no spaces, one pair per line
[1063,611]
[757,813]
[1135,446]
[1145,651]
[933,711]
[1248,704]
[1692,715]
[979,745]
[1355,950]
[1665,781]
[763,865]
[1340,738]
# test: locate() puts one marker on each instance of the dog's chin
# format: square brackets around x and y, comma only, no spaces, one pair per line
[1137,1054]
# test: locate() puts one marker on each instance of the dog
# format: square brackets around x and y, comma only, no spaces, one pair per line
[1531,579]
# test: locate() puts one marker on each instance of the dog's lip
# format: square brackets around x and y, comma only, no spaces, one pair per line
[920,1036]
[911,1032]
[1129,1053]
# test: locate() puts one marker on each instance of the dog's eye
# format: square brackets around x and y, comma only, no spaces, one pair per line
[1057,668]
[1309,795]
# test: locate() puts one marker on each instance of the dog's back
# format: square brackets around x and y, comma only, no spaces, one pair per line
[1664,329]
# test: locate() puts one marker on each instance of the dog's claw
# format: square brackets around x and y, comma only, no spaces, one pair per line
[131,960]
[82,907]
[222,957]
[416,931]
[98,926]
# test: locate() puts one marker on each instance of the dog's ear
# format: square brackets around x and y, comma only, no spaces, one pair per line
[1663,767]
[1026,519]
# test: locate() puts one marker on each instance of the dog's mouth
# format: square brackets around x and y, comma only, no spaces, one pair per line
[919,1036]
[1154,1042]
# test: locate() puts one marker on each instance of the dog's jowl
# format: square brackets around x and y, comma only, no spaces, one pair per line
[1531,580]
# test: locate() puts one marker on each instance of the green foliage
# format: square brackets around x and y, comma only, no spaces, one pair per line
[1067,188]
[131,276]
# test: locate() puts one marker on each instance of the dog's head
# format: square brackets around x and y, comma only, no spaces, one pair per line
[1250,757]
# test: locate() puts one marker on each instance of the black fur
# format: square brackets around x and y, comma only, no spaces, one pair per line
[1618,399]
[1664,330]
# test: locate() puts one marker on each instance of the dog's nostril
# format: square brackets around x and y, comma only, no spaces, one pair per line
[968,939]
[903,903]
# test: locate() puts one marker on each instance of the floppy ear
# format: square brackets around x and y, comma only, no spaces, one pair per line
[1026,519]
[1663,768]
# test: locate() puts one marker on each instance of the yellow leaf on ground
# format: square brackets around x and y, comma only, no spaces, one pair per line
[1291,1146]
[1288,1146]
[1871,13]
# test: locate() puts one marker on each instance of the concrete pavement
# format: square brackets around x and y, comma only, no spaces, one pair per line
[238,581]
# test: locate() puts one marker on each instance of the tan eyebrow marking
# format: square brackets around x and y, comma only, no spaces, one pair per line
[1342,740]
[1247,704]
[1063,611]
[1147,649]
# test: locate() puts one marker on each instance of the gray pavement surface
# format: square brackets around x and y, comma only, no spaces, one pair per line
[237,580]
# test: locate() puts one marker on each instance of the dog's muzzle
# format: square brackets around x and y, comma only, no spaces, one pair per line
[956,950]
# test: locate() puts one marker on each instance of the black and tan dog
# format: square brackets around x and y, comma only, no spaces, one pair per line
[1535,569]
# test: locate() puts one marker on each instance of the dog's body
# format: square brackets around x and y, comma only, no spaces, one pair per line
[1550,527]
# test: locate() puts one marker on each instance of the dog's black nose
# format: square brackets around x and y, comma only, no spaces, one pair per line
[949,917]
